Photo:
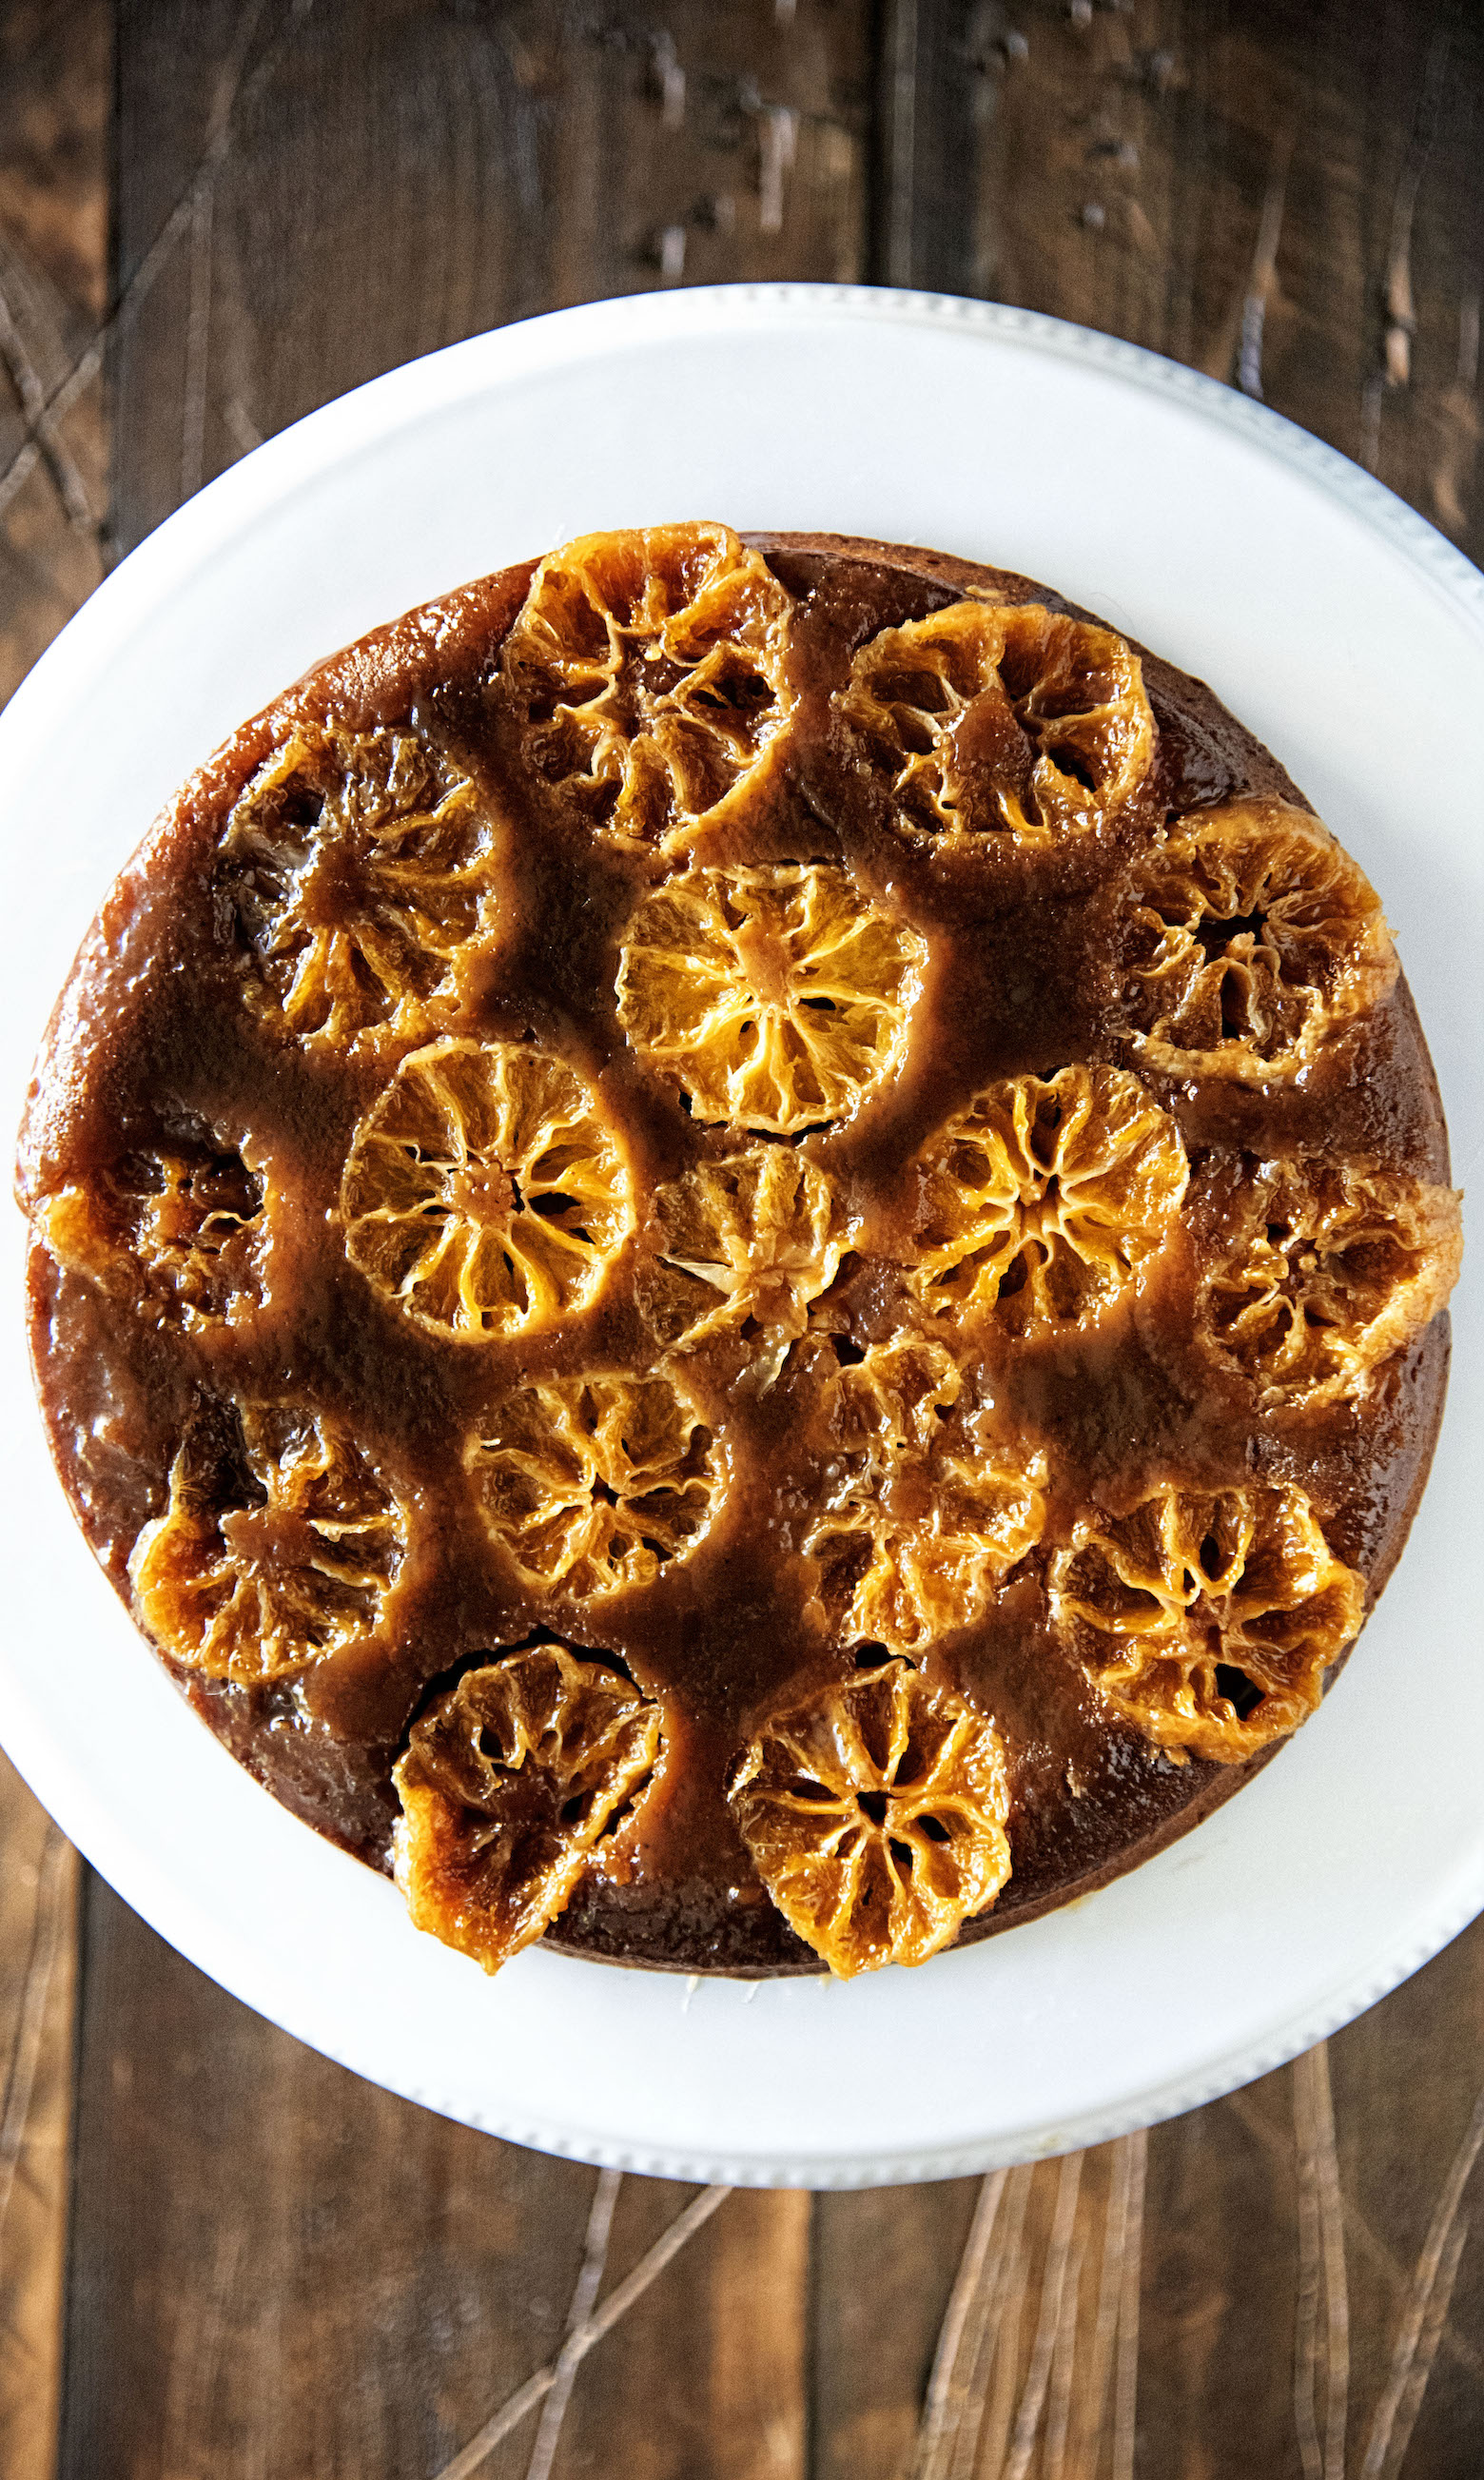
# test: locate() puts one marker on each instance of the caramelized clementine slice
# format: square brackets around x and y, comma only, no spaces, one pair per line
[743,1242]
[183,1230]
[875,1814]
[648,670]
[1330,1269]
[278,1546]
[508,1783]
[594,1485]
[1043,1199]
[1254,936]
[1208,1619]
[1003,719]
[921,1521]
[356,868]
[778,998]
[484,1193]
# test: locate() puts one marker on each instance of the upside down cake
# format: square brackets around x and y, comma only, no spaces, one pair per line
[739,1250]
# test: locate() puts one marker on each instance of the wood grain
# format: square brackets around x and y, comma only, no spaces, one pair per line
[275,2270]
[884,2267]
[708,2371]
[1244,188]
[37,1973]
[55,79]
[274,2256]
[496,161]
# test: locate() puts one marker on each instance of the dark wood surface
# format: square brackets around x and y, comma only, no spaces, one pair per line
[221,2256]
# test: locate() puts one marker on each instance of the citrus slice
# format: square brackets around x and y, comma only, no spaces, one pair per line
[1254,935]
[185,1228]
[648,669]
[278,1546]
[485,1193]
[874,1815]
[1207,1620]
[921,1524]
[1045,1198]
[354,867]
[889,1403]
[593,1484]
[1330,1269]
[743,1242]
[1003,719]
[902,1580]
[509,1781]
[778,998]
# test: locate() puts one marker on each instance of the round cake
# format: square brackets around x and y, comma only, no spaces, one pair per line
[739,1248]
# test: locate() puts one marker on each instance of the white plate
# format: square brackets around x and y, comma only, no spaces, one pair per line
[1344,632]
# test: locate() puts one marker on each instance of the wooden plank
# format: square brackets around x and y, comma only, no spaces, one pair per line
[885,2261]
[1408,2082]
[1244,190]
[1219,2288]
[37,1973]
[885,2266]
[398,175]
[1035,2346]
[55,74]
[276,2267]
[708,2371]
[1285,2230]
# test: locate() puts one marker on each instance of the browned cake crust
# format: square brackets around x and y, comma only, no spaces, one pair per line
[197,1078]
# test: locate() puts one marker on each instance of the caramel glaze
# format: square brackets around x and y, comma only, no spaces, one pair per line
[151,1040]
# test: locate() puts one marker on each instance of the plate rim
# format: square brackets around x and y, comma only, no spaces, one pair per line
[372,412]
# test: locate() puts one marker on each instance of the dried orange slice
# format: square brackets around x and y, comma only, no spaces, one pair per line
[509,1782]
[1000,718]
[778,998]
[874,1815]
[921,1524]
[355,867]
[743,1242]
[1045,1198]
[594,1485]
[648,669]
[1207,1620]
[484,1193]
[1330,1269]
[184,1227]
[278,1546]
[1255,934]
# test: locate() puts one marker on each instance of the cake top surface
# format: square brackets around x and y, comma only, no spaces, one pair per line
[761,1220]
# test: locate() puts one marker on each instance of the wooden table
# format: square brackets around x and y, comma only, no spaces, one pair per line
[218,2255]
